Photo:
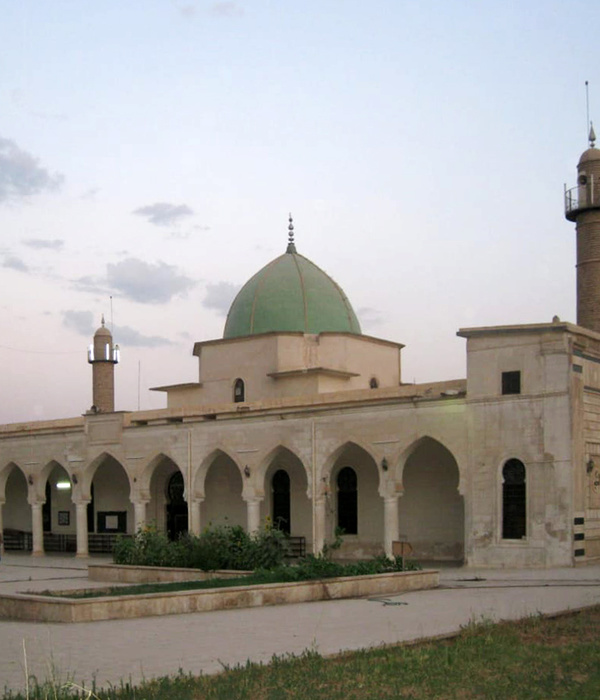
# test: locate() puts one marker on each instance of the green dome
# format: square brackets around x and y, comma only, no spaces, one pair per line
[290,294]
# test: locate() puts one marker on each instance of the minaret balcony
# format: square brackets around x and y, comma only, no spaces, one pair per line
[581,198]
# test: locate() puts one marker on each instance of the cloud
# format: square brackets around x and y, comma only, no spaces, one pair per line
[44,243]
[220,295]
[94,285]
[187,11]
[82,322]
[163,213]
[129,337]
[21,175]
[369,317]
[226,9]
[14,263]
[90,194]
[49,116]
[147,283]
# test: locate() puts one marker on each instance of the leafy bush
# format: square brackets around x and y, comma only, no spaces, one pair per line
[314,567]
[219,547]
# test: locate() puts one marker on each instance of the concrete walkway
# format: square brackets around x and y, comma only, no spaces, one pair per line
[117,650]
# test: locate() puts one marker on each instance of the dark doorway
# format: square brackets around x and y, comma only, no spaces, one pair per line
[47,509]
[347,492]
[280,485]
[90,511]
[177,510]
[514,510]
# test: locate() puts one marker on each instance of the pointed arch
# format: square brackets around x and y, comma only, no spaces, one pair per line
[223,484]
[16,509]
[106,485]
[431,510]
[44,475]
[406,453]
[199,475]
[283,454]
[286,507]
[352,480]
[5,472]
[145,477]
[332,459]
[165,484]
[90,470]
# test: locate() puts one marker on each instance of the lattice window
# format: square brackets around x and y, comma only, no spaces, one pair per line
[514,505]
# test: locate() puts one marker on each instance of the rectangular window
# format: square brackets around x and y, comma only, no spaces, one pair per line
[112,521]
[511,382]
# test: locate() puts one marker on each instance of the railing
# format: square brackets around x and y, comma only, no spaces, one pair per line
[17,541]
[296,547]
[585,196]
[59,543]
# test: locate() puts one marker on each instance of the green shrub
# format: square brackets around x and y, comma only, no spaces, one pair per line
[218,547]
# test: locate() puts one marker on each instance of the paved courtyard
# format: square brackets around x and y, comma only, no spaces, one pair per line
[112,650]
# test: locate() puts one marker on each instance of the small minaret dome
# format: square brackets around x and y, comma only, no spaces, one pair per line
[103,356]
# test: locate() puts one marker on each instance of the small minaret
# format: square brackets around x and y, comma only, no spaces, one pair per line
[582,205]
[103,356]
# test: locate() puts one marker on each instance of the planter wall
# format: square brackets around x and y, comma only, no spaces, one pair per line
[48,609]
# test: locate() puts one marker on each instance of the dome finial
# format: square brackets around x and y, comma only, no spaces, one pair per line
[102,320]
[592,136]
[291,248]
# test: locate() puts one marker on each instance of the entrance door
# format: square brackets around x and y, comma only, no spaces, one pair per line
[177,510]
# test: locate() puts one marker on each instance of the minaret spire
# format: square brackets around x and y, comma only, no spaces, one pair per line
[291,248]
[592,136]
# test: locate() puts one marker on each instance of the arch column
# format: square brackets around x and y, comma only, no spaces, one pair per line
[37,528]
[139,513]
[196,515]
[319,524]
[253,513]
[82,528]
[390,523]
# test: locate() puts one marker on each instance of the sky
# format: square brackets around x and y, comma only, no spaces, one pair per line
[151,150]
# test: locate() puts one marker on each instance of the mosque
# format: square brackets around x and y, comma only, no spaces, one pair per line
[299,419]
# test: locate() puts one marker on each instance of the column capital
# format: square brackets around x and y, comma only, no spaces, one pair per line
[252,499]
[139,501]
[79,501]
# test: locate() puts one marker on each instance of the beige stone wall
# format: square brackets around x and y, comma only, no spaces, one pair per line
[533,427]
[448,493]
[288,364]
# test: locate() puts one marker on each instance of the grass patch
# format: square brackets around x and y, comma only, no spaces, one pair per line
[309,569]
[536,658]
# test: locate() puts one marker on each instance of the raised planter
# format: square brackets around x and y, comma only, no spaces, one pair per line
[35,607]
[120,573]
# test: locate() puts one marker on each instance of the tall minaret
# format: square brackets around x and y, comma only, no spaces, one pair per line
[582,205]
[103,356]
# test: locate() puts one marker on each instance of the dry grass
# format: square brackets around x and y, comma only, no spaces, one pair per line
[537,658]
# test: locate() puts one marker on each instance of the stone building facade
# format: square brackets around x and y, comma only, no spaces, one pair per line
[298,418]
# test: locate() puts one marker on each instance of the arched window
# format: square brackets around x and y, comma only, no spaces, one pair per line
[373,383]
[514,511]
[280,485]
[347,501]
[239,391]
